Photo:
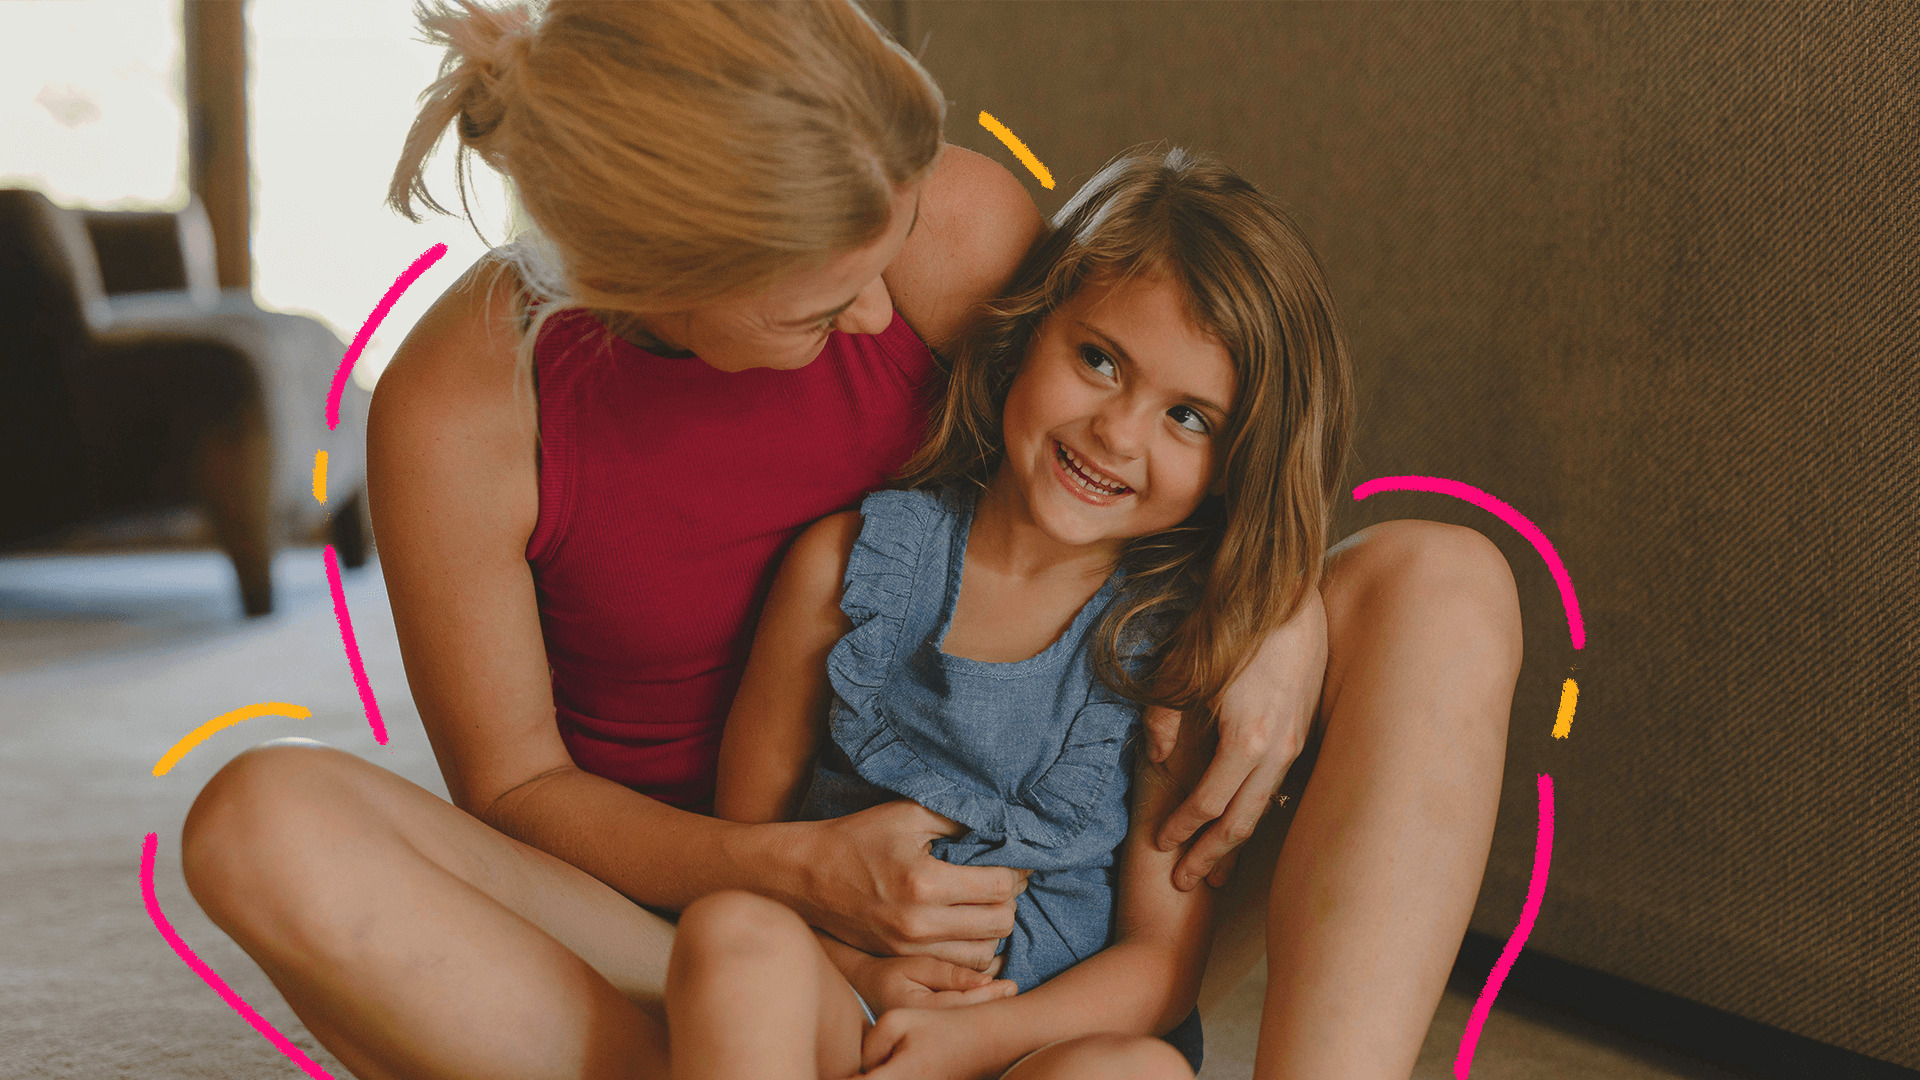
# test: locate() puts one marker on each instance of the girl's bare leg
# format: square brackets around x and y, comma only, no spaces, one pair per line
[415,941]
[1384,850]
[1103,1057]
[751,996]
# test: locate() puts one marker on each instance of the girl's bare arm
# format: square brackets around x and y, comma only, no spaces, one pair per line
[779,714]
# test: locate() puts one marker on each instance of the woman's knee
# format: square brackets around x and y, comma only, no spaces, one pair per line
[1448,572]
[253,824]
[1104,1057]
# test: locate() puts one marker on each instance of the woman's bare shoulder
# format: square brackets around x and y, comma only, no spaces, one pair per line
[455,411]
[976,223]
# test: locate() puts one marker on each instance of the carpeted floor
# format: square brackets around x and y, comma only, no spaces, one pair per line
[107,660]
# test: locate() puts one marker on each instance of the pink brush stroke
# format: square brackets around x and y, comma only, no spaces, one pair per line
[407,277]
[1576,629]
[1536,891]
[200,968]
[353,648]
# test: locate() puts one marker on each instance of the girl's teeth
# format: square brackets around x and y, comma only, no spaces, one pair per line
[1082,475]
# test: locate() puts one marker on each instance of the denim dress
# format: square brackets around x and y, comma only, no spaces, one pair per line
[1032,757]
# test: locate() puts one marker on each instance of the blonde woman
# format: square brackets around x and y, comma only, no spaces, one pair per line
[585,463]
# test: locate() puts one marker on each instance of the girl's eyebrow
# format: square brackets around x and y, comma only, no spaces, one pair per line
[1120,351]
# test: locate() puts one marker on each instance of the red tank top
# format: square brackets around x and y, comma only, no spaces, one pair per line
[668,492]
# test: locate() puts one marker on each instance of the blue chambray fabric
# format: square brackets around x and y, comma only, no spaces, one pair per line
[1033,757]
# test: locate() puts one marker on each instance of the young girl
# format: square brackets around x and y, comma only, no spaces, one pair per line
[1135,455]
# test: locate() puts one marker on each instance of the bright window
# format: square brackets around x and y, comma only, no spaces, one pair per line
[332,94]
[90,94]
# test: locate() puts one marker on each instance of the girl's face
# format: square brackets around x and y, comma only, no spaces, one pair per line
[1111,423]
[786,326]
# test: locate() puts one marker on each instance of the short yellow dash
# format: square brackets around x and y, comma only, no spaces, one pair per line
[1564,722]
[1019,149]
[320,475]
[225,720]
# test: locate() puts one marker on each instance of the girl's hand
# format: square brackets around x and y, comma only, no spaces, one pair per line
[921,1044]
[921,982]
[870,882]
[1264,717]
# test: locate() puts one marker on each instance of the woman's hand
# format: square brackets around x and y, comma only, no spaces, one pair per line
[1264,717]
[924,1044]
[870,881]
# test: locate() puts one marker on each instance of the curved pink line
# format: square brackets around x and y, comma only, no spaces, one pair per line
[407,277]
[1536,891]
[1576,629]
[200,968]
[353,648]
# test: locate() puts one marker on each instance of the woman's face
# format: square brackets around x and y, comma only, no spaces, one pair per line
[1111,423]
[786,325]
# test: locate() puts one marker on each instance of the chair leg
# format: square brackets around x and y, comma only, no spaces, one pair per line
[349,531]
[235,482]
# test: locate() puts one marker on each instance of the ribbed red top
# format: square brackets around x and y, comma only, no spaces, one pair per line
[668,492]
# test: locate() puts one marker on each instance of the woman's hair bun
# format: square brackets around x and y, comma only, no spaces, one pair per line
[485,46]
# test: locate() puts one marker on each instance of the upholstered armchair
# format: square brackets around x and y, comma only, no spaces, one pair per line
[164,391]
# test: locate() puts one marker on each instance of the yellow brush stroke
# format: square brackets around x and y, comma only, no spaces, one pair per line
[1564,722]
[225,720]
[1019,149]
[320,475]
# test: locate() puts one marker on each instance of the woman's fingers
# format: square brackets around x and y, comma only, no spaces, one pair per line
[978,955]
[945,883]
[1163,730]
[1223,779]
[1234,827]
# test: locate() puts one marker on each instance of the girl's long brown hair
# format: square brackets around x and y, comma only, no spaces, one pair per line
[1242,564]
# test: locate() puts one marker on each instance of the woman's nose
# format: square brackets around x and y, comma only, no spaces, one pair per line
[870,313]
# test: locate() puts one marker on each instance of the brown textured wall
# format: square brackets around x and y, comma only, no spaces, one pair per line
[1648,273]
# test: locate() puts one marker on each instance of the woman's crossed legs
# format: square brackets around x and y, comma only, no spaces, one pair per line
[415,941]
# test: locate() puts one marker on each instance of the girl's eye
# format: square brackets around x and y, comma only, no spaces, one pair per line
[1098,361]
[1189,417]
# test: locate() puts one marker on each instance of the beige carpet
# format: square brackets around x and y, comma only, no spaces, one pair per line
[107,660]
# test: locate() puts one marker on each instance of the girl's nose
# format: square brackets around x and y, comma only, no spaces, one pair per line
[870,313]
[1123,427]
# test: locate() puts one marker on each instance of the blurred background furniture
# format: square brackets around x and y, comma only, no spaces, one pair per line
[1650,274]
[134,383]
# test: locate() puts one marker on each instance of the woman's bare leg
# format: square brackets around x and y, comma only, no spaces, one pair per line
[1368,897]
[752,996]
[415,941]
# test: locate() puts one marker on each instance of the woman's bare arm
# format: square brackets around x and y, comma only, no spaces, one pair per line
[453,484]
[453,480]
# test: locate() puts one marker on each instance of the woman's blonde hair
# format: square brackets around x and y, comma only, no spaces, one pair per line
[669,153]
[1241,565]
